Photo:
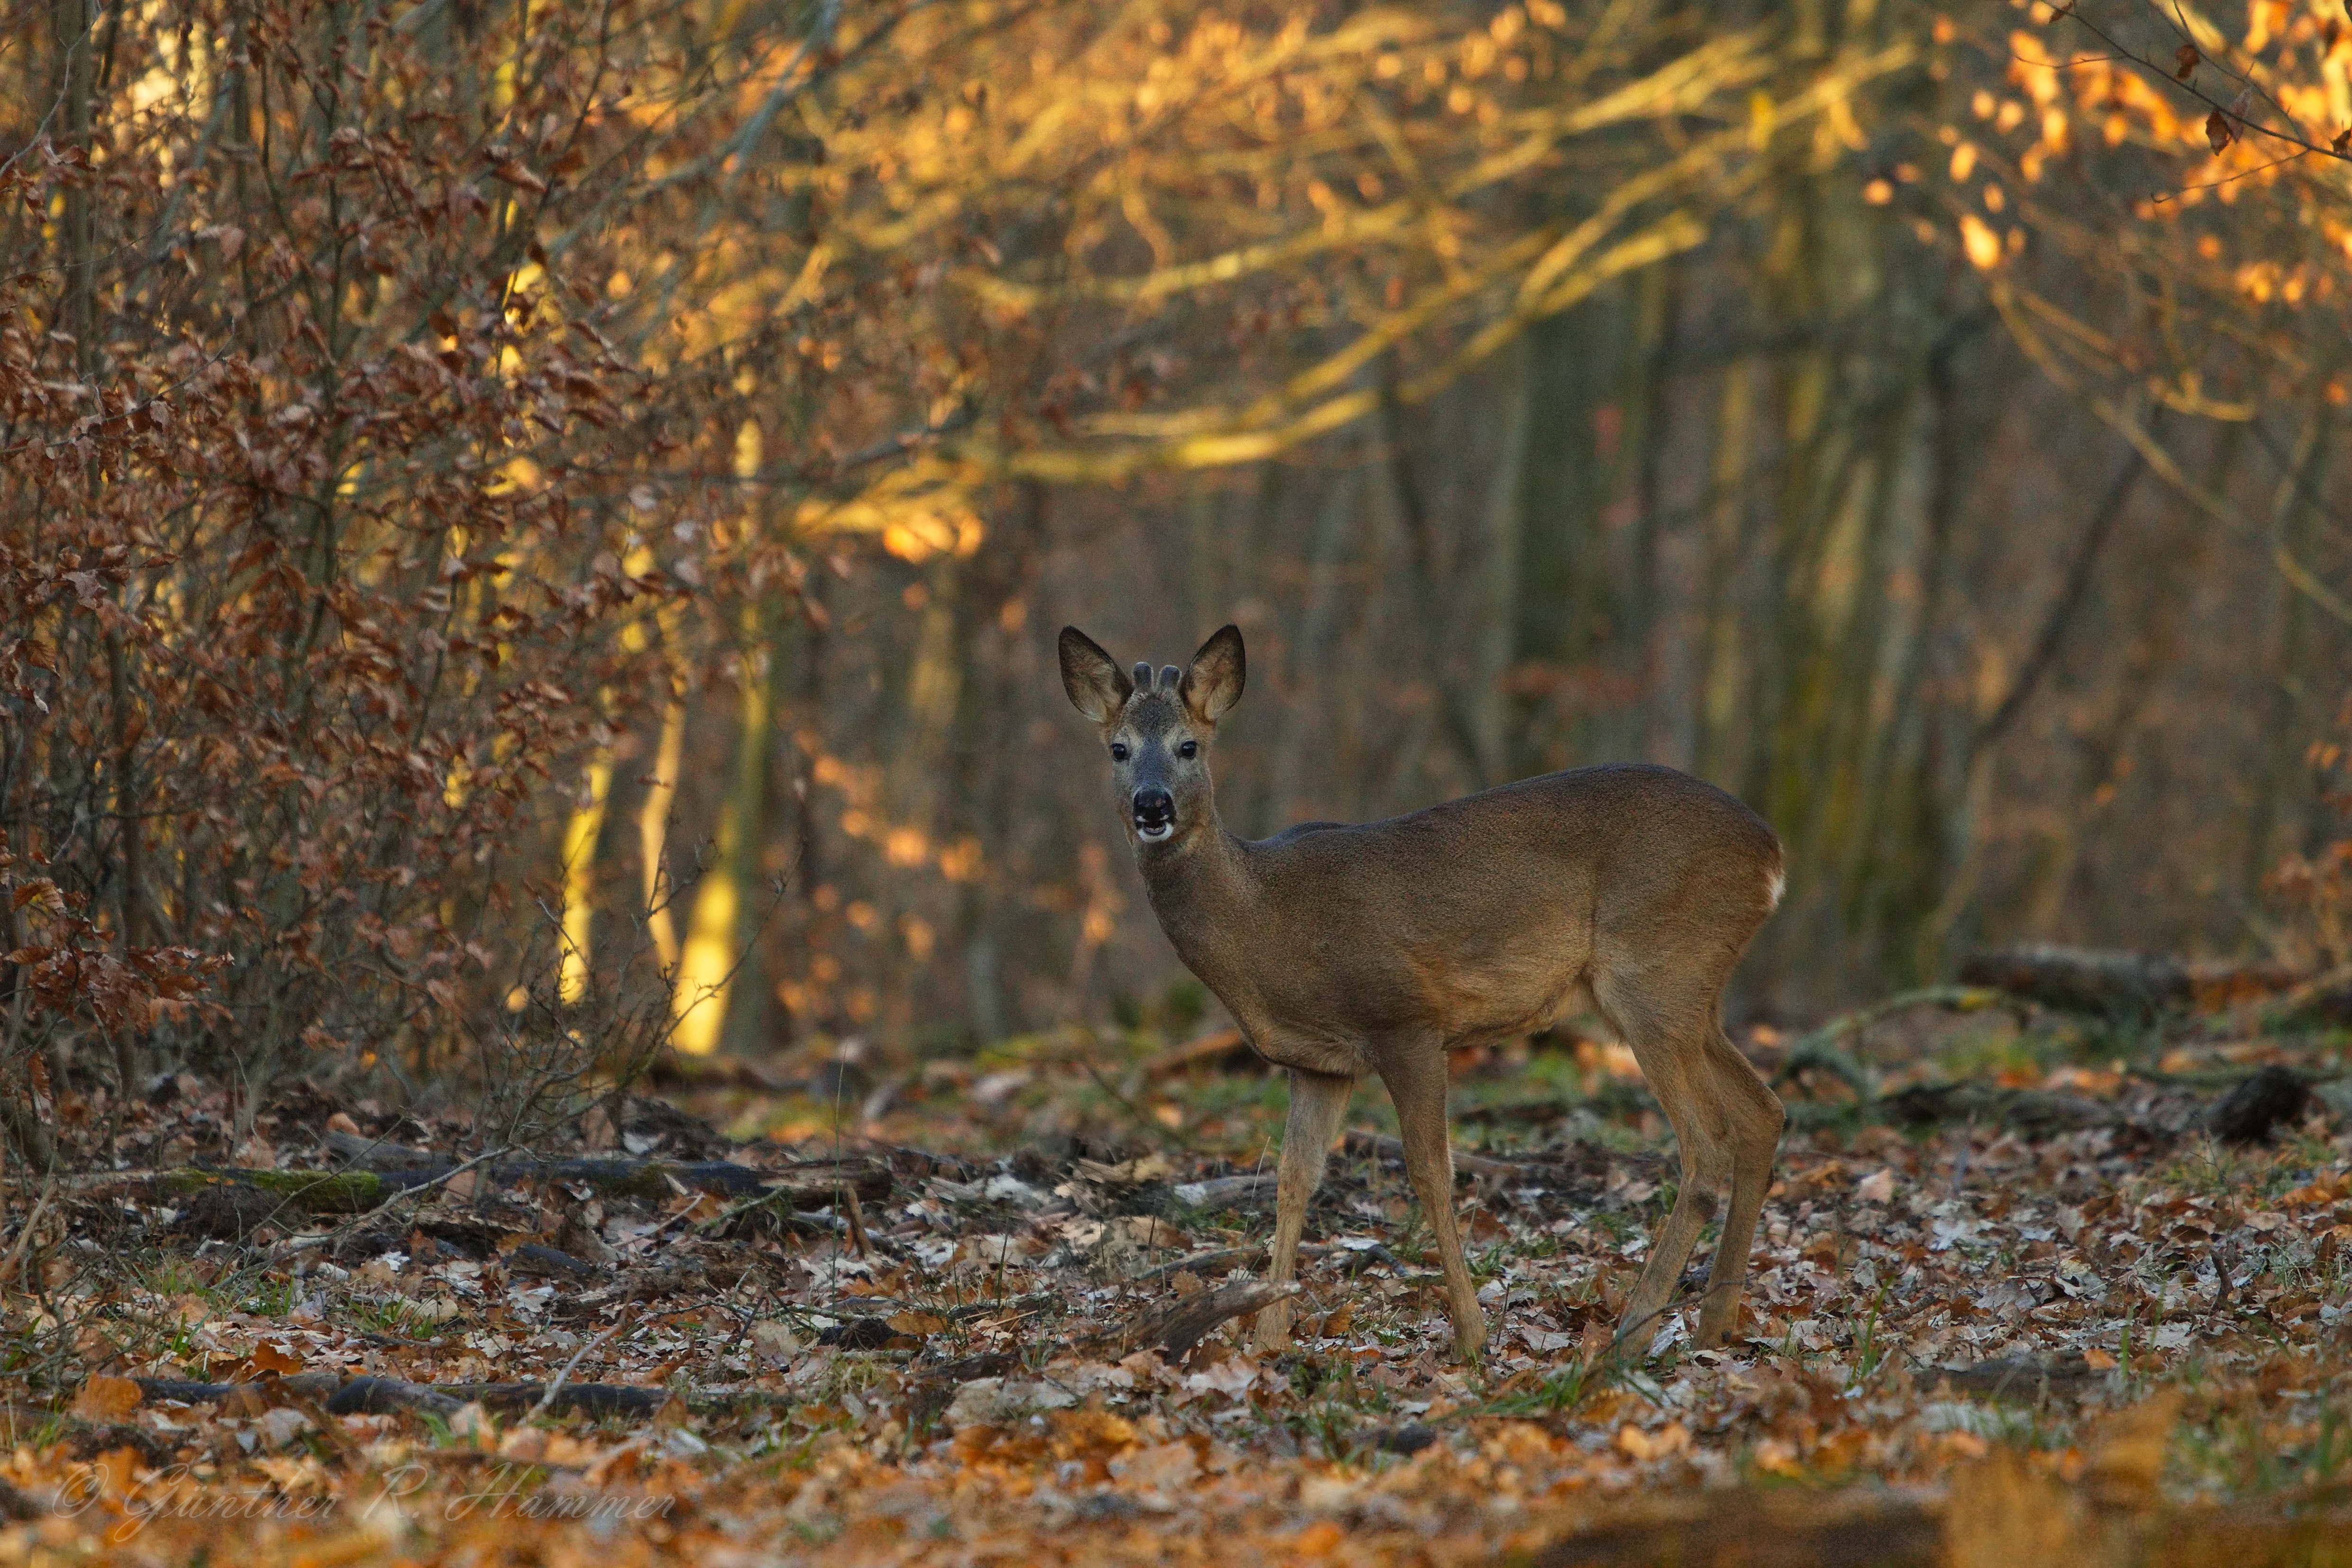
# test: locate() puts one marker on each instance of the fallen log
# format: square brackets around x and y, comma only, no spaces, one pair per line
[2260,1104]
[2027,1109]
[814,1183]
[1176,1328]
[1225,1051]
[2016,1378]
[1785,1528]
[2123,984]
[379,1395]
[1226,1192]
[1379,1146]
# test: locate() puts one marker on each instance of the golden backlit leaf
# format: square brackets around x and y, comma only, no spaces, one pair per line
[1980,243]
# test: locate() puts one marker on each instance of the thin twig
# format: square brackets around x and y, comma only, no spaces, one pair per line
[548,1398]
[298,1243]
[32,1224]
[1151,1127]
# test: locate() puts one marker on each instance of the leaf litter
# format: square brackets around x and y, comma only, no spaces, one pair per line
[2084,1322]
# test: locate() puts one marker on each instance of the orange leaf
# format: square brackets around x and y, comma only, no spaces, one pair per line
[104,1398]
[268,1357]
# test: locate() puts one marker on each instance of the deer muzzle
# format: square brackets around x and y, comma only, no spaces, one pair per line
[1155,814]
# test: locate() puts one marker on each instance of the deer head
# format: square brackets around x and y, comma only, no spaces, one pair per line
[1159,729]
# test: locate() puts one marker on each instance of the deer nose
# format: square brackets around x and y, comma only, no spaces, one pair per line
[1154,807]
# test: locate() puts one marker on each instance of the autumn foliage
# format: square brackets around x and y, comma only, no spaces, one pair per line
[530,541]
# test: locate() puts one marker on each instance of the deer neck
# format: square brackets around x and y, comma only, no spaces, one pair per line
[1206,898]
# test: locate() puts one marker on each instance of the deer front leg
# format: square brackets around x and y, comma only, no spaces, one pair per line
[1318,1101]
[1415,1075]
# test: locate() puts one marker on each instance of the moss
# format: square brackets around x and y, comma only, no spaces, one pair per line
[314,1191]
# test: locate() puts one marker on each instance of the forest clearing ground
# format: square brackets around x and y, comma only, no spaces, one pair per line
[2077,1318]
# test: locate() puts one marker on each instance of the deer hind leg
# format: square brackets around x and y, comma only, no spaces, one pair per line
[1666,1039]
[1414,1071]
[1317,1104]
[1756,1118]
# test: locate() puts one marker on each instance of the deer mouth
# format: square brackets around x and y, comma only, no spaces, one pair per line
[1156,832]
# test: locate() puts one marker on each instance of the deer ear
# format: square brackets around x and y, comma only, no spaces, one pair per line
[1213,684]
[1097,687]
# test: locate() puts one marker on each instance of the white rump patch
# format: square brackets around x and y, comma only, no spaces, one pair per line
[1774,885]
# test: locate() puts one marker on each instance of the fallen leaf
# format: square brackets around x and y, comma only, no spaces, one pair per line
[268,1357]
[1164,1465]
[2126,1453]
[105,1398]
[776,1342]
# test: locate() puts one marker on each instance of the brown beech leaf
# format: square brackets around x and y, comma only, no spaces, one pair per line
[2188,57]
[104,1398]
[2343,140]
[515,173]
[2218,134]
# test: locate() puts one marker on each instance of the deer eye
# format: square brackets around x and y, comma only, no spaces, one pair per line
[1189,748]
[1118,751]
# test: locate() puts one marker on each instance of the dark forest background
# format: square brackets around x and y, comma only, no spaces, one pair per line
[516,513]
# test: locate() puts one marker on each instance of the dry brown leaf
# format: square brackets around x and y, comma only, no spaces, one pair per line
[2002,1515]
[105,1398]
[2126,1456]
[268,1357]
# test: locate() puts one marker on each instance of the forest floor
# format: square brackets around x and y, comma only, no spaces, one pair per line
[2011,1299]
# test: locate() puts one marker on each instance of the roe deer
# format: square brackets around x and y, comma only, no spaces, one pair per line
[1380,947]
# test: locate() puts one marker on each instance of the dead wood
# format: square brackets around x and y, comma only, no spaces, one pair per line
[1180,1325]
[2125,984]
[1226,1192]
[637,1284]
[1516,1113]
[532,1261]
[2261,1102]
[1824,1049]
[812,1183]
[594,1400]
[2021,1378]
[375,1395]
[1787,1529]
[2032,1110]
[1225,1051]
[360,1152]
[1379,1146]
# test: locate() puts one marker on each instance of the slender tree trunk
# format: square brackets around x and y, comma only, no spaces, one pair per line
[581,833]
[654,820]
[1720,670]
[2287,729]
[1494,643]
[716,959]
